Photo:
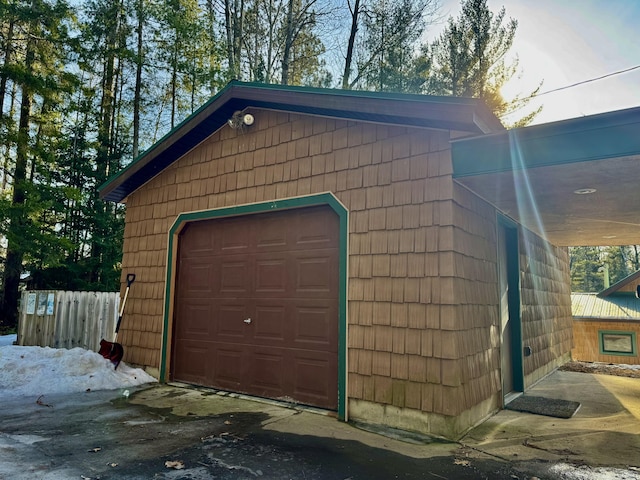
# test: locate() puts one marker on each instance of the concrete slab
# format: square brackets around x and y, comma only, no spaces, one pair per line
[131,435]
[604,431]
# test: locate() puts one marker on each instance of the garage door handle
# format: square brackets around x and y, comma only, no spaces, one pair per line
[247,321]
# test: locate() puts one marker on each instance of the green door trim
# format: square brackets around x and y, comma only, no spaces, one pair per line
[512,246]
[255,208]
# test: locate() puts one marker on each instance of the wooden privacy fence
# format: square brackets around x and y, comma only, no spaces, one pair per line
[61,319]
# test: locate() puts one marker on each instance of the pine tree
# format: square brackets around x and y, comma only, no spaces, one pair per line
[469,59]
[34,64]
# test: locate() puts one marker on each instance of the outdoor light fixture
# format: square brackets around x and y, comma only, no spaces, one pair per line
[584,191]
[239,120]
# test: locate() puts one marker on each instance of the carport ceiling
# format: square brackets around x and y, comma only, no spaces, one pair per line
[574,182]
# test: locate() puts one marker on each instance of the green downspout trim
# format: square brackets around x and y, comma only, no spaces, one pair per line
[285,204]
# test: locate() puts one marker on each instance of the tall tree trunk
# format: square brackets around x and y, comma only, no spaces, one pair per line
[229,31]
[350,46]
[18,218]
[8,50]
[7,147]
[138,85]
[104,147]
[174,86]
[286,60]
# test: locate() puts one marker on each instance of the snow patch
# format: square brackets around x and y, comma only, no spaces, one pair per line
[585,472]
[35,371]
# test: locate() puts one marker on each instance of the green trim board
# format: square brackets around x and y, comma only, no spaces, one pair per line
[595,137]
[257,208]
[618,343]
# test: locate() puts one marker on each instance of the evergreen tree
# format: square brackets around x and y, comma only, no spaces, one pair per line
[469,59]
[586,269]
[34,64]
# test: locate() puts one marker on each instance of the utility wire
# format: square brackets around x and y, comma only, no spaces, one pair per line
[587,81]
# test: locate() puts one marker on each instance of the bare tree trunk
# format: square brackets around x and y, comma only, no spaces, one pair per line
[174,86]
[287,45]
[8,50]
[138,86]
[352,38]
[229,31]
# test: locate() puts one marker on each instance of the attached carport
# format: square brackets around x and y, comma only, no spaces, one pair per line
[573,182]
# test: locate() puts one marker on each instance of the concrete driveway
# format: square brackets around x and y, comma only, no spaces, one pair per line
[109,435]
[604,432]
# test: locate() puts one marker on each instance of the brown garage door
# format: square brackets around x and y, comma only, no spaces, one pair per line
[257,305]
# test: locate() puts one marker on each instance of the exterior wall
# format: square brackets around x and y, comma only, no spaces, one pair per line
[390,179]
[546,306]
[587,342]
[423,326]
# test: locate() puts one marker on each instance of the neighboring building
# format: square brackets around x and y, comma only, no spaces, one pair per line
[357,251]
[606,326]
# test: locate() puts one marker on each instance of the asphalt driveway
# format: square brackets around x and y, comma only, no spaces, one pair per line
[112,435]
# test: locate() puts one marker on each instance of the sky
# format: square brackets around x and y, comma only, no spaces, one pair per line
[35,371]
[562,42]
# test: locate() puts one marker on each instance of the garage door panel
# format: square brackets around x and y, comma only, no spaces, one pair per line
[235,274]
[266,372]
[311,379]
[314,327]
[198,275]
[315,275]
[314,229]
[196,242]
[271,276]
[193,360]
[271,233]
[227,366]
[268,324]
[197,317]
[234,235]
[229,321]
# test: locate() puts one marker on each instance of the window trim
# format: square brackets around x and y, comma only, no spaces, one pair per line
[632,335]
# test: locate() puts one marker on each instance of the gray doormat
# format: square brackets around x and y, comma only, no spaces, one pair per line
[551,407]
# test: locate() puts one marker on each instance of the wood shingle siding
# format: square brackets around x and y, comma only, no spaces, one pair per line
[423,323]
[546,306]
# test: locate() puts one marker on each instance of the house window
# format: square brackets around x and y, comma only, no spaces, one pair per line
[617,343]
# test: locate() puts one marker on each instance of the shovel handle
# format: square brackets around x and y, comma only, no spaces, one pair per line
[130,279]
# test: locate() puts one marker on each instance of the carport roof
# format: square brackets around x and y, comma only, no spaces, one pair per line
[449,113]
[574,182]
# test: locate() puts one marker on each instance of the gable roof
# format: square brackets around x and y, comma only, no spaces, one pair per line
[590,305]
[448,113]
[618,285]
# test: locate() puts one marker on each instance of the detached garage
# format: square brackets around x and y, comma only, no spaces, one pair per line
[344,250]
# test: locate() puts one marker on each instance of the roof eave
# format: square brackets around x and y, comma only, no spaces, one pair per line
[566,141]
[461,114]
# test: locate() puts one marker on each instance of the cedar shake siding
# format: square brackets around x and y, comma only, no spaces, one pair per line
[423,318]
[546,306]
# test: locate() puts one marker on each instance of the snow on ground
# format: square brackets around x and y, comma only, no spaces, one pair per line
[35,371]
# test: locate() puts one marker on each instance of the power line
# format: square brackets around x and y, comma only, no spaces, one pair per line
[587,81]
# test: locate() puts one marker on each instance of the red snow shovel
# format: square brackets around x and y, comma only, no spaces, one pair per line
[113,350]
